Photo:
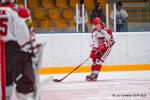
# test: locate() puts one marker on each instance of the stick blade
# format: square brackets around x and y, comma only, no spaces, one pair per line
[56,80]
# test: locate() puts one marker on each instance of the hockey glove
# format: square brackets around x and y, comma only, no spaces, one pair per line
[94,52]
[102,47]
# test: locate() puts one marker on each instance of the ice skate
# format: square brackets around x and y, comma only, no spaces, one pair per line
[92,77]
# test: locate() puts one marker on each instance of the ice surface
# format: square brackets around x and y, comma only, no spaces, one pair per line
[132,85]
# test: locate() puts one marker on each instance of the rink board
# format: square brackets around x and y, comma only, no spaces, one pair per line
[82,69]
[64,52]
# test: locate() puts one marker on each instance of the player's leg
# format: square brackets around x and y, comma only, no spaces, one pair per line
[95,68]
[9,85]
[23,76]
[11,49]
[97,64]
[28,86]
[19,69]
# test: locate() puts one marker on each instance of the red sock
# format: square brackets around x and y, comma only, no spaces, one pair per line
[96,67]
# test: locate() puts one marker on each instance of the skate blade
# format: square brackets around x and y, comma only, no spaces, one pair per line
[91,80]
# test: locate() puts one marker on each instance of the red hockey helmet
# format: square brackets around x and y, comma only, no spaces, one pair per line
[96,21]
[23,12]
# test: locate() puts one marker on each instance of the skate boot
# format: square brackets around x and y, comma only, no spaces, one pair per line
[92,77]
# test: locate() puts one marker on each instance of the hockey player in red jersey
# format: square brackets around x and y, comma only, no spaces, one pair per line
[102,41]
[21,48]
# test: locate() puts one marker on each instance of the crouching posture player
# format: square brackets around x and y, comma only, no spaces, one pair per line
[21,51]
[102,41]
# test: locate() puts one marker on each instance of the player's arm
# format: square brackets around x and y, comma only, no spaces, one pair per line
[107,42]
[23,37]
[111,41]
[95,50]
[24,14]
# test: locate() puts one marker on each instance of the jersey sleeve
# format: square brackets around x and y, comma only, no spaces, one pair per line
[96,34]
[21,33]
[109,31]
[109,39]
[25,37]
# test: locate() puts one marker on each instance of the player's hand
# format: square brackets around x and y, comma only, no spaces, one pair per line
[102,47]
[94,53]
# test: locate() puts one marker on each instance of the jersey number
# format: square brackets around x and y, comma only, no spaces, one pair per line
[3,26]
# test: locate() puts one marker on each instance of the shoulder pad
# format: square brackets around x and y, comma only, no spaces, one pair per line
[95,29]
[109,31]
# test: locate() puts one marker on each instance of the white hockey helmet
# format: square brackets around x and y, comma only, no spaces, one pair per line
[7,1]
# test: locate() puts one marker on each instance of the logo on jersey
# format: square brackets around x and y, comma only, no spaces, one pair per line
[100,32]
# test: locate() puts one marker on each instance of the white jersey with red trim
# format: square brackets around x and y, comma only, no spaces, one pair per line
[14,27]
[99,36]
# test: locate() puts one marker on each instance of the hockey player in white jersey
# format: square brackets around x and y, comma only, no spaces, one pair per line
[102,41]
[20,49]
